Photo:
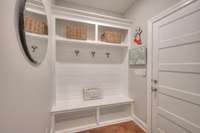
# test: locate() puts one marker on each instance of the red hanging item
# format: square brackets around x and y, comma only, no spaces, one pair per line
[137,38]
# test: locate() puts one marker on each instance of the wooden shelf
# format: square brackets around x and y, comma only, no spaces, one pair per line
[89,42]
[68,106]
[35,35]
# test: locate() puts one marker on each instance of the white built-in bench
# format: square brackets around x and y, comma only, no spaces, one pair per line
[87,114]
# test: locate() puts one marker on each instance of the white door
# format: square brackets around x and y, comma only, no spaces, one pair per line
[176,71]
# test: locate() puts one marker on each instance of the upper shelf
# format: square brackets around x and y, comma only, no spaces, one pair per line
[28,9]
[39,36]
[88,42]
[35,6]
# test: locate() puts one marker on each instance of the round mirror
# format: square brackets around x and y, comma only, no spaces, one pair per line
[33,30]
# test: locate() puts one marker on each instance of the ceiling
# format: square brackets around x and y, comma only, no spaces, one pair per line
[117,6]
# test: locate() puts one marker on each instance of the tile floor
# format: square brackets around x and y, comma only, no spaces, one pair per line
[127,127]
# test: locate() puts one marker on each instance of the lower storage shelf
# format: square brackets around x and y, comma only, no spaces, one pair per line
[91,114]
[69,122]
[114,112]
[90,126]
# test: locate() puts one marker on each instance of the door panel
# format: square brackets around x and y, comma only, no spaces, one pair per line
[183,108]
[186,20]
[166,126]
[186,53]
[182,81]
[180,121]
[183,17]
[176,67]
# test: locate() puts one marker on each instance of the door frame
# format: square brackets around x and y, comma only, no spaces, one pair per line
[150,24]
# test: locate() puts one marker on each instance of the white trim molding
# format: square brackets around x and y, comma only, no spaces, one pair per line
[149,75]
[139,122]
[171,10]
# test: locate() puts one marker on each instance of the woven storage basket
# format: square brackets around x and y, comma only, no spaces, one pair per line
[111,37]
[76,32]
[35,26]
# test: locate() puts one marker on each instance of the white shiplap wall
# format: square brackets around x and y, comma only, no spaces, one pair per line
[75,73]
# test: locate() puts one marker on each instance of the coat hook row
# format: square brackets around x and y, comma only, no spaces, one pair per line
[92,53]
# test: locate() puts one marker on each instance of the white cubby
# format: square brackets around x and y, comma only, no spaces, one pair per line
[39,15]
[75,72]
[114,112]
[67,122]
[61,28]
[36,39]
[94,31]
[123,31]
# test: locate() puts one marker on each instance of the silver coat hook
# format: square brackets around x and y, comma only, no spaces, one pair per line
[76,52]
[34,48]
[107,54]
[93,53]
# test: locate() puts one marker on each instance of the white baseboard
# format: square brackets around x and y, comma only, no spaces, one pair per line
[112,122]
[139,122]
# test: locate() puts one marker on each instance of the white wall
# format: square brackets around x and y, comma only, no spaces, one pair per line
[25,90]
[140,12]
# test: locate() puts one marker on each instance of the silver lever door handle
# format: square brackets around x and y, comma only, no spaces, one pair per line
[154,89]
[154,81]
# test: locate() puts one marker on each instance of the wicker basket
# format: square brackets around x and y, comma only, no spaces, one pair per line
[111,37]
[35,26]
[76,32]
